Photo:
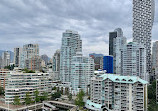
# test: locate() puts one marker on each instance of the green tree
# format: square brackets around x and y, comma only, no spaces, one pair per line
[152,106]
[67,91]
[28,71]
[16,100]
[1,91]
[55,95]
[36,94]
[70,97]
[44,96]
[61,90]
[10,67]
[152,91]
[54,88]
[28,98]
[79,99]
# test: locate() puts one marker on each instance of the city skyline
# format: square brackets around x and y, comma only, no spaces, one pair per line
[43,23]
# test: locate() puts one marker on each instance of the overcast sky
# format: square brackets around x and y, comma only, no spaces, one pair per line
[43,21]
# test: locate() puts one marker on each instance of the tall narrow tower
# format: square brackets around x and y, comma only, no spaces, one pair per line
[143,18]
[71,44]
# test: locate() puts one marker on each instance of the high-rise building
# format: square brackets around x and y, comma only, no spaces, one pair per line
[34,63]
[17,52]
[133,60]
[155,55]
[154,60]
[28,51]
[112,35]
[118,44]
[56,61]
[143,18]
[56,64]
[71,43]
[82,70]
[108,64]
[98,60]
[0,62]
[45,58]
[5,59]
[112,92]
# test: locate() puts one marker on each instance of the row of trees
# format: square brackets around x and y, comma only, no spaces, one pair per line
[28,100]
[28,71]
[78,101]
[10,67]
[58,93]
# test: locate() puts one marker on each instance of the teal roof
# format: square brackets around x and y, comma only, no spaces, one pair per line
[123,79]
[98,106]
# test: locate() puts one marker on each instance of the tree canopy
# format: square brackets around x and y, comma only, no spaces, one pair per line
[28,99]
[36,94]
[16,100]
[55,95]
[79,100]
[152,106]
[1,91]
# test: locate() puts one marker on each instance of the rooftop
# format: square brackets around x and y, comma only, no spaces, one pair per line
[123,79]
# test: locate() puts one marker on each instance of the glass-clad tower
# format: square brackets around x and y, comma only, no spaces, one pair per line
[143,18]
[71,43]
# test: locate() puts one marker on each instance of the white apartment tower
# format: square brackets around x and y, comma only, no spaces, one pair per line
[28,52]
[82,70]
[118,44]
[5,59]
[71,43]
[143,18]
[133,60]
[112,92]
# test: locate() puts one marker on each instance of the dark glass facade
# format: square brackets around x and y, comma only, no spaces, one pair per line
[112,35]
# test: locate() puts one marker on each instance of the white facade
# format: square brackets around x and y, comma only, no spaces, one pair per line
[28,52]
[133,62]
[18,83]
[82,69]
[118,44]
[118,93]
[71,43]
[5,59]
[143,18]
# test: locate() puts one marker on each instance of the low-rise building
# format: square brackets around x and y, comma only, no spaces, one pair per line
[3,77]
[19,83]
[118,93]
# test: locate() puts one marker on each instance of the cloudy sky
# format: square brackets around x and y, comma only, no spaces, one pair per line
[43,21]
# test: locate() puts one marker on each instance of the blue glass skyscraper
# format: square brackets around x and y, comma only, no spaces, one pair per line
[108,64]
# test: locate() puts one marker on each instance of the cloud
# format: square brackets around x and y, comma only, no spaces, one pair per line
[44,21]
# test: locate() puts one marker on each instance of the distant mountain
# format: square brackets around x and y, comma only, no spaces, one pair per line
[11,54]
[96,55]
